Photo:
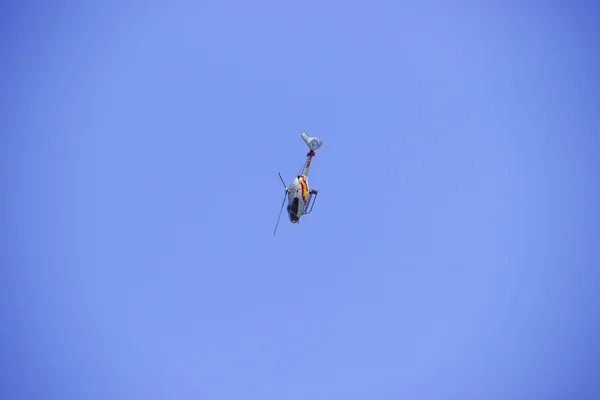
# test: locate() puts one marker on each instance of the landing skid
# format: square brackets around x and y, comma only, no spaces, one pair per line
[311,201]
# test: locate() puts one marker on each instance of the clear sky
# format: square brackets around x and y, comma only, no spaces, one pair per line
[453,251]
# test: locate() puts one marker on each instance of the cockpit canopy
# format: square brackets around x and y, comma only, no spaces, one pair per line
[293,211]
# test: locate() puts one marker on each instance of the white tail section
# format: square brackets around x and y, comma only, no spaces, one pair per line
[313,143]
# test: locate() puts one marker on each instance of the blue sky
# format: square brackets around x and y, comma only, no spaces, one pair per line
[452,252]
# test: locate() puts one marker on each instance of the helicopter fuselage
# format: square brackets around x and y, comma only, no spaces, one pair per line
[297,198]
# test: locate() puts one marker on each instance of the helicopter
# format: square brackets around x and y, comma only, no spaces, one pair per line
[301,199]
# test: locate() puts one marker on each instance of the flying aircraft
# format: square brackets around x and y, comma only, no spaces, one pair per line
[300,198]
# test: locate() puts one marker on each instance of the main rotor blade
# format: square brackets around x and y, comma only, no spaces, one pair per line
[282,181]
[280,211]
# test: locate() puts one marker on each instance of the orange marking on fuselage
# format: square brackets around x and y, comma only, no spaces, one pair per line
[304,186]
